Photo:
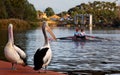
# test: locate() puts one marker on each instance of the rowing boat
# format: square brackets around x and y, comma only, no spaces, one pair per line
[73,38]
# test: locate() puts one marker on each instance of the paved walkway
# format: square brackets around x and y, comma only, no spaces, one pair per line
[5,69]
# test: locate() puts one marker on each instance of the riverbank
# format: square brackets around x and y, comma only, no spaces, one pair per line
[24,25]
[5,69]
[18,24]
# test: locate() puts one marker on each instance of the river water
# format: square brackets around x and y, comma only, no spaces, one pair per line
[70,55]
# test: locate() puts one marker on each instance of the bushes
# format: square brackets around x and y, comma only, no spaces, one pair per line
[18,24]
[116,22]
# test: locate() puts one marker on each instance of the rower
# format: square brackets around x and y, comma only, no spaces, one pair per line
[77,33]
[80,34]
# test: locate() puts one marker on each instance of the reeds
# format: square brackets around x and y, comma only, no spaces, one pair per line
[18,24]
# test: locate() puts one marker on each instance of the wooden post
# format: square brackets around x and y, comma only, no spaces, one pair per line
[90,23]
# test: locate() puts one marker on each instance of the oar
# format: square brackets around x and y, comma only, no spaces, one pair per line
[98,37]
[64,38]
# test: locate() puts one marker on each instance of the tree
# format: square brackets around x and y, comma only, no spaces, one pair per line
[101,11]
[9,8]
[20,9]
[62,14]
[3,13]
[116,21]
[49,11]
[30,12]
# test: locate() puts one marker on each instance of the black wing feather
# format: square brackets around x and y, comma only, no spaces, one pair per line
[38,58]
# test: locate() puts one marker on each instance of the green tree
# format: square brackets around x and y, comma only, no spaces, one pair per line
[30,12]
[116,21]
[9,8]
[3,13]
[49,11]
[103,12]
[20,9]
[62,14]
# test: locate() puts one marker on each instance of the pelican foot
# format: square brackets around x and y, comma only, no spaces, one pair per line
[13,68]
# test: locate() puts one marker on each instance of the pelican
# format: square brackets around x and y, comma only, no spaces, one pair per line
[43,55]
[13,53]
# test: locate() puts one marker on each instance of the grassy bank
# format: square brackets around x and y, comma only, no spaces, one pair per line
[22,24]
[18,24]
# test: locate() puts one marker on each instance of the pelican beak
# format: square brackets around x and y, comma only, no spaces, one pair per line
[51,33]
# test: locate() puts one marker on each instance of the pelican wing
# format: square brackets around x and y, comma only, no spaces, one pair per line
[38,58]
[20,52]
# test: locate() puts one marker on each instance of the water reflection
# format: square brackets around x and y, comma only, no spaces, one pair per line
[71,55]
[79,44]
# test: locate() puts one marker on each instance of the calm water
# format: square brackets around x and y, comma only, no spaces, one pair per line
[70,55]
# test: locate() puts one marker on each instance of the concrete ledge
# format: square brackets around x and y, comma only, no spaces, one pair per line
[5,69]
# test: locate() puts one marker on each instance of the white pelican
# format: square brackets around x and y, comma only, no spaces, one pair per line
[43,55]
[13,53]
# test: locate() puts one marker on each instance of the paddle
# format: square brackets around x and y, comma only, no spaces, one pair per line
[98,37]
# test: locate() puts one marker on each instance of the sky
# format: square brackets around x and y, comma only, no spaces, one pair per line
[60,5]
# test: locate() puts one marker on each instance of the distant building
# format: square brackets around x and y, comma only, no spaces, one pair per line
[41,15]
[54,17]
[66,16]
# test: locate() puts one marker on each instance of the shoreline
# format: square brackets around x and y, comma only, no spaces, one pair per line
[20,24]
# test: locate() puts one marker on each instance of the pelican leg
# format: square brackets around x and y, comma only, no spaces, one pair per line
[45,69]
[13,66]
[39,71]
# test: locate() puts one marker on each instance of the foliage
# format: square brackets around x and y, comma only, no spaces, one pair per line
[62,14]
[103,12]
[20,9]
[116,21]
[49,11]
[18,24]
[3,13]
